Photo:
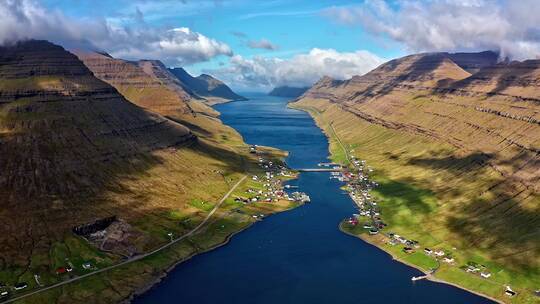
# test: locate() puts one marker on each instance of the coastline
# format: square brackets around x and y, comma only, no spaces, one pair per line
[164,273]
[429,276]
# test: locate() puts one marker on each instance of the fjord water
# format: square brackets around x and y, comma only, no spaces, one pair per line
[298,256]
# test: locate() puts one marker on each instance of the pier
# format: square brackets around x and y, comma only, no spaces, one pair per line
[319,170]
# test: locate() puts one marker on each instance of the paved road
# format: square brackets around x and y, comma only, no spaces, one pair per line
[135,258]
[341,144]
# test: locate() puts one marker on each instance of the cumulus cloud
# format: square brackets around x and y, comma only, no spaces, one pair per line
[26,19]
[510,27]
[300,70]
[262,44]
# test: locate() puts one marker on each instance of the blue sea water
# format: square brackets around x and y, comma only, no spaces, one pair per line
[298,256]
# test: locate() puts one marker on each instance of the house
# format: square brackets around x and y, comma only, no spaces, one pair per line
[87,265]
[485,274]
[428,251]
[353,221]
[408,250]
[509,292]
[20,286]
[472,268]
[439,253]
[448,260]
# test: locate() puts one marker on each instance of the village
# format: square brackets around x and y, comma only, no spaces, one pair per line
[272,184]
[358,185]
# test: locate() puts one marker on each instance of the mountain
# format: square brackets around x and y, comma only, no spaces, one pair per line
[206,86]
[145,83]
[285,91]
[74,150]
[455,142]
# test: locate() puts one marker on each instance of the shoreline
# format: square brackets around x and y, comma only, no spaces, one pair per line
[429,276]
[164,273]
[149,286]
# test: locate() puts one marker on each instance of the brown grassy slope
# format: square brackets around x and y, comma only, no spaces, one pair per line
[140,86]
[489,143]
[73,150]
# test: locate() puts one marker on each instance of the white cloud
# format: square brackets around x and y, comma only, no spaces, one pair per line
[510,27]
[262,44]
[26,19]
[300,70]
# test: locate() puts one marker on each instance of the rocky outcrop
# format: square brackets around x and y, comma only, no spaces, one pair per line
[206,86]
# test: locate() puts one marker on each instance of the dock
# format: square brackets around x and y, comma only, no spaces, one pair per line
[319,170]
[419,278]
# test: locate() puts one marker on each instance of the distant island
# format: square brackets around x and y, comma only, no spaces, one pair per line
[285,91]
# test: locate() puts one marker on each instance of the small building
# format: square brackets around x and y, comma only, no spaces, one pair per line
[4,294]
[439,253]
[509,292]
[87,265]
[61,270]
[408,250]
[20,286]
[428,251]
[448,260]
[373,231]
[485,274]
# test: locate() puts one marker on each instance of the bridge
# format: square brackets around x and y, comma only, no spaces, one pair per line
[319,170]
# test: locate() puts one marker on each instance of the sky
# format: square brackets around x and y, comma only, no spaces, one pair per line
[259,44]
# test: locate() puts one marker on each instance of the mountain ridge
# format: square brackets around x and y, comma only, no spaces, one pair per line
[286,91]
[206,86]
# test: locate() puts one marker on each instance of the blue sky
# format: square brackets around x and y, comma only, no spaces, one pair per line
[257,45]
[293,27]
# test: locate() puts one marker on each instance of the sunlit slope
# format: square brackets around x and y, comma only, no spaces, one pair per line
[140,86]
[75,150]
[457,154]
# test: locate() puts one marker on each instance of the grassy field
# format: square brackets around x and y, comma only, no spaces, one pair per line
[431,192]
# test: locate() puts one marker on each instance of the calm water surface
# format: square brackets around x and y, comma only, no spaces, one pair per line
[298,256]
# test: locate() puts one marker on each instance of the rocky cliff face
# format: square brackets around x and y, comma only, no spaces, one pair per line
[206,86]
[145,83]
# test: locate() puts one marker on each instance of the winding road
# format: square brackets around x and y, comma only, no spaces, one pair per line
[135,258]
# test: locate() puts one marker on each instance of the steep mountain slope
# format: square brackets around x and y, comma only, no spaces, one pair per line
[286,91]
[74,150]
[143,89]
[465,146]
[206,86]
[57,119]
[143,83]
